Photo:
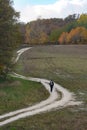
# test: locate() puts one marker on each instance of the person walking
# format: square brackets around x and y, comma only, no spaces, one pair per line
[51,85]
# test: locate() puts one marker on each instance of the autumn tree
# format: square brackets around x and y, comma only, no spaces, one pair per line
[9,35]
[78,35]
[63,38]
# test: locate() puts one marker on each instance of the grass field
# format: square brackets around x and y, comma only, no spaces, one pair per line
[66,65]
[17,93]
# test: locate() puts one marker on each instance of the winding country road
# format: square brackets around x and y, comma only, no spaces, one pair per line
[53,102]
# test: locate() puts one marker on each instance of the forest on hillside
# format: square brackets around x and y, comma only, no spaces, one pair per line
[71,30]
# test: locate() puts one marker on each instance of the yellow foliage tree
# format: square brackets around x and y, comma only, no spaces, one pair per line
[63,38]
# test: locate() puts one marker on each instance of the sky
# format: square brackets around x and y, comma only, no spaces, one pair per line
[33,9]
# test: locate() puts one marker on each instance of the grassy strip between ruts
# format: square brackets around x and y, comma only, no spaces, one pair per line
[18,93]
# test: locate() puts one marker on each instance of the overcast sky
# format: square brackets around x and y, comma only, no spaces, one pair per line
[33,9]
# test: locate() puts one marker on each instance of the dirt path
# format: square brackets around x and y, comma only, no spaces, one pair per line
[53,102]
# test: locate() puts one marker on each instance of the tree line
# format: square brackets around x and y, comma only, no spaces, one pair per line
[77,34]
[44,31]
